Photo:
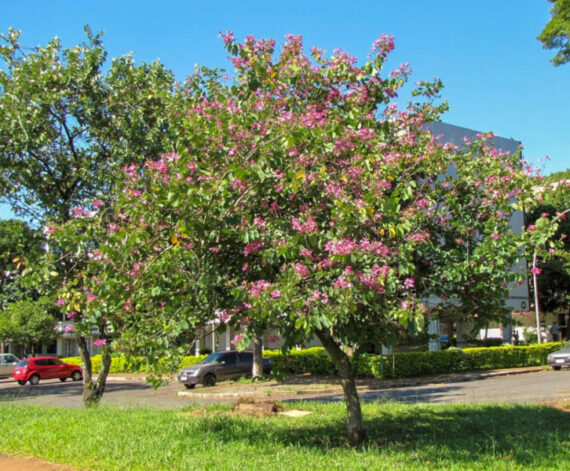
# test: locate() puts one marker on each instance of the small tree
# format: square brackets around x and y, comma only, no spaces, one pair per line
[303,199]
[69,123]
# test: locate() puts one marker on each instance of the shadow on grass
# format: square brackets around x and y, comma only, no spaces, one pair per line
[520,434]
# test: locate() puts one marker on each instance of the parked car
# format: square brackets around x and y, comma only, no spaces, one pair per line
[34,369]
[559,358]
[7,364]
[219,366]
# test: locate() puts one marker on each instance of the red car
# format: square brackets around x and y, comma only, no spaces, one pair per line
[34,369]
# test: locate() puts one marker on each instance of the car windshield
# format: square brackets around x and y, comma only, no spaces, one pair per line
[213,357]
[22,363]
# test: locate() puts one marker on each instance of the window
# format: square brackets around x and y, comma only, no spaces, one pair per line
[246,357]
[230,358]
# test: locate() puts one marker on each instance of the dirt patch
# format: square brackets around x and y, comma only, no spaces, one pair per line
[20,463]
[256,408]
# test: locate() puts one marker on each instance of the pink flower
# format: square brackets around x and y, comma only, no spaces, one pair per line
[238,338]
[275,294]
[409,283]
[228,37]
[245,267]
[100,343]
[68,328]
[495,236]
[253,247]
[60,302]
[214,249]
[70,314]
[91,297]
[50,230]
[260,222]
[301,269]
[98,204]
[306,253]
[308,227]
[536,271]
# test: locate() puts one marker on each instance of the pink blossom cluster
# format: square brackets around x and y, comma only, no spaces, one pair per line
[317,295]
[340,247]
[342,282]
[79,212]
[384,44]
[253,247]
[258,287]
[308,227]
[100,343]
[301,270]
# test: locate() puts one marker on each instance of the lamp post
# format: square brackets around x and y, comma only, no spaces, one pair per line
[535,271]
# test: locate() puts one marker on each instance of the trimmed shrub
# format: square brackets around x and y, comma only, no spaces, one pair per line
[135,365]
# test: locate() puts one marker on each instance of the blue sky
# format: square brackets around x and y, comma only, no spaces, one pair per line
[497,76]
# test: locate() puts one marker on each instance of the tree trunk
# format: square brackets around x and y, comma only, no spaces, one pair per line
[93,390]
[257,368]
[356,431]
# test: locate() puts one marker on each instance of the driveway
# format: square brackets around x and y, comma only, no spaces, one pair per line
[537,386]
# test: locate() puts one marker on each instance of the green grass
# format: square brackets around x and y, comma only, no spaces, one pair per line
[419,437]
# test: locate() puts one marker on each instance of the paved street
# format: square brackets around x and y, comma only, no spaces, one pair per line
[530,387]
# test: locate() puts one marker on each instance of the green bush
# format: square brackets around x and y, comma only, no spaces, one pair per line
[398,365]
[136,365]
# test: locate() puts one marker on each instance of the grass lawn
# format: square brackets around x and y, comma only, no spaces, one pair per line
[420,437]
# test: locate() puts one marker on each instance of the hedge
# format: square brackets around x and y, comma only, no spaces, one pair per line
[137,365]
[399,365]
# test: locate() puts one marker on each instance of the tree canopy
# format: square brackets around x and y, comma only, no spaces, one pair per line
[68,121]
[301,198]
[556,33]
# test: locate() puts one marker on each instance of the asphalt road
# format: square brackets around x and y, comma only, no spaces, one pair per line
[530,387]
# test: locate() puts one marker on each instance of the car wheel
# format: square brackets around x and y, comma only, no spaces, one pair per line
[62,380]
[34,379]
[189,386]
[21,382]
[556,368]
[76,376]
[209,380]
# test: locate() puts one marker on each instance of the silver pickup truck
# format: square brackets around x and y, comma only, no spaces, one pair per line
[220,366]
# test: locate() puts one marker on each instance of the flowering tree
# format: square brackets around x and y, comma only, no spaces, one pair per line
[303,199]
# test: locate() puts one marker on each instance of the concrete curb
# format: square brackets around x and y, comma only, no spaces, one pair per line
[389,385]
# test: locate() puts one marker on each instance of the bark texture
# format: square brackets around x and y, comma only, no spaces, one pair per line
[93,390]
[257,368]
[356,434]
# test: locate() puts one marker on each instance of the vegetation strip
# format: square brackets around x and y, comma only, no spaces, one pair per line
[458,437]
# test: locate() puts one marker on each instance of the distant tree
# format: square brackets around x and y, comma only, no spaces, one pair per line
[556,33]
[29,323]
